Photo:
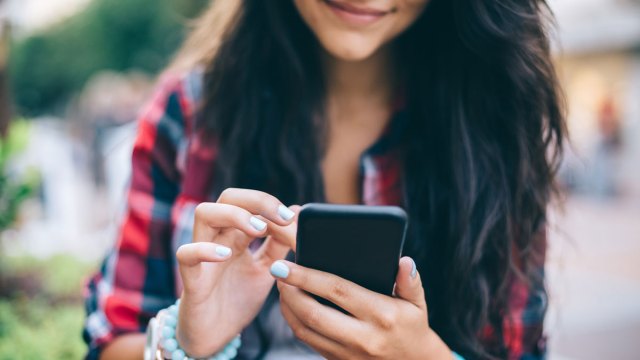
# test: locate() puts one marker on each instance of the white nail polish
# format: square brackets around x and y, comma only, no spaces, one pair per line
[414,269]
[257,223]
[285,213]
[223,251]
[279,270]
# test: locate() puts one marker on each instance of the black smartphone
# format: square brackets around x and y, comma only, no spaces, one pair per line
[356,242]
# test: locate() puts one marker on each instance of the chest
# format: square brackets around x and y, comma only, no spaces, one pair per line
[343,162]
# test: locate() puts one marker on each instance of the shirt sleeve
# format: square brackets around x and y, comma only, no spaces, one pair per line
[136,279]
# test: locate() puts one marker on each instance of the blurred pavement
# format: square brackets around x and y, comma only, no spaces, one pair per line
[594,280]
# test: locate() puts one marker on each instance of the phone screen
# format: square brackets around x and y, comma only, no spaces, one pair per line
[359,243]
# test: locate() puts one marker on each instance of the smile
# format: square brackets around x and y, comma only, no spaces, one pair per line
[356,15]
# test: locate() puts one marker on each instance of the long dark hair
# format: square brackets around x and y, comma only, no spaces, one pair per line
[485,135]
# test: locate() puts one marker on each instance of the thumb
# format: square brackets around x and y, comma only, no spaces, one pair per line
[280,241]
[408,283]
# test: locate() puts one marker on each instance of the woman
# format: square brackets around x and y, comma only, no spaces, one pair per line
[447,108]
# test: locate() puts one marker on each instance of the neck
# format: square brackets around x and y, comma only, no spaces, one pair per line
[360,83]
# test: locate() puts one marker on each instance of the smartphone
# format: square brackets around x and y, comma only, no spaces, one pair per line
[356,242]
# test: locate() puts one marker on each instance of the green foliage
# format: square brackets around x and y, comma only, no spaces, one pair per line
[36,330]
[45,322]
[46,69]
[60,277]
[14,190]
[15,141]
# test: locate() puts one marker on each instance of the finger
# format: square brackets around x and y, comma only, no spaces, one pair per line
[212,218]
[281,239]
[355,299]
[191,258]
[408,283]
[320,318]
[286,235]
[196,253]
[326,347]
[259,203]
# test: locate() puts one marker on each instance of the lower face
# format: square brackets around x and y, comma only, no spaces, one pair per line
[353,30]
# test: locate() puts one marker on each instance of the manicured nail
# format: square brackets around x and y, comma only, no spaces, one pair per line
[285,213]
[414,269]
[257,223]
[280,270]
[223,251]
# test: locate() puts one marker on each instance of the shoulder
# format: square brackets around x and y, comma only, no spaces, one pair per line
[186,86]
[176,94]
[171,109]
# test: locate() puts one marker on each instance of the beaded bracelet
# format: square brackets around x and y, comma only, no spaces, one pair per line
[457,356]
[168,345]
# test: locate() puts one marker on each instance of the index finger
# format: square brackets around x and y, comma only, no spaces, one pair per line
[258,203]
[355,299]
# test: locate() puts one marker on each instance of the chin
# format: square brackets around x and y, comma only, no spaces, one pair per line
[350,50]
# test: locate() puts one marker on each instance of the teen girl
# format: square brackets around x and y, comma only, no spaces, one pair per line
[448,108]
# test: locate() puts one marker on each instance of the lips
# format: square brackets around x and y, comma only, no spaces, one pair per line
[356,10]
[356,15]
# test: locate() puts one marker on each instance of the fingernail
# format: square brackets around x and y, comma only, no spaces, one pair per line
[414,269]
[223,251]
[257,223]
[285,213]
[279,270]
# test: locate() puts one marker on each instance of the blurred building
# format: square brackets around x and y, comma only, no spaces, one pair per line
[598,48]
[30,15]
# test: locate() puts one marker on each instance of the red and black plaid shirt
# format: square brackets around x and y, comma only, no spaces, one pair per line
[172,173]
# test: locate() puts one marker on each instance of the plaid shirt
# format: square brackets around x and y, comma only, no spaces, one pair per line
[171,174]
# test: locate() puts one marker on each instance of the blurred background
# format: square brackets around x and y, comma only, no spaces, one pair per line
[73,74]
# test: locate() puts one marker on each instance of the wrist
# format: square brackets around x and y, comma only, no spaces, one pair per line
[188,334]
[435,347]
[164,334]
[195,346]
[227,350]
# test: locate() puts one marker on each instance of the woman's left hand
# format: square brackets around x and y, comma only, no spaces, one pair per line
[381,327]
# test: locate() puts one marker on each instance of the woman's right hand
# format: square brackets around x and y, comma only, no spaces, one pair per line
[224,283]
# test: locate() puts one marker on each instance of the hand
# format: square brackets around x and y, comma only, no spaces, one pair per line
[381,327]
[224,283]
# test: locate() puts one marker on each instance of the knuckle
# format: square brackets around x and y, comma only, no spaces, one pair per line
[361,344]
[182,254]
[226,194]
[201,210]
[300,332]
[387,318]
[339,291]
[311,318]
[375,347]
[264,199]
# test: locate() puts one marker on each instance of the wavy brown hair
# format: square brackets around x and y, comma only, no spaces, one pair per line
[484,138]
